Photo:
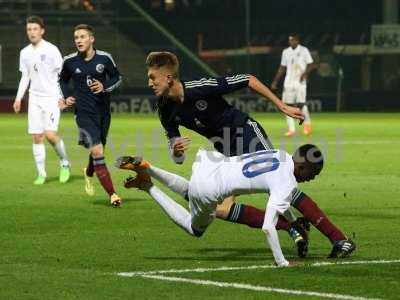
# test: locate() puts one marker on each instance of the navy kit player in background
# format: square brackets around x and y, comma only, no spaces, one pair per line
[198,105]
[94,75]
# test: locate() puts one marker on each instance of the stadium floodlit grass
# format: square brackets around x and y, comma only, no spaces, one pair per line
[58,243]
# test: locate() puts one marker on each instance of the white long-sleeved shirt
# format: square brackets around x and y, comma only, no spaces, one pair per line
[295,61]
[40,66]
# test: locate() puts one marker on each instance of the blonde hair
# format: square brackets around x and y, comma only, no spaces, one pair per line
[163,59]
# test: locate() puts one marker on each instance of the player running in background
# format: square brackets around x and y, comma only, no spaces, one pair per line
[297,63]
[215,177]
[94,75]
[198,105]
[39,64]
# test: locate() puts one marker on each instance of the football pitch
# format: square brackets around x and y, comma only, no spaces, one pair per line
[58,243]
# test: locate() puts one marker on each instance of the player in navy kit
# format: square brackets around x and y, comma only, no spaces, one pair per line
[198,105]
[94,75]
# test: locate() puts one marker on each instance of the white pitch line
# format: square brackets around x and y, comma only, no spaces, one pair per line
[257,288]
[254,267]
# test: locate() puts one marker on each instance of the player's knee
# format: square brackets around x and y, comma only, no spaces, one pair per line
[97,151]
[52,137]
[222,212]
[224,208]
[38,138]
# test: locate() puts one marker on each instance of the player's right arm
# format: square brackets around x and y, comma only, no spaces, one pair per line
[23,83]
[64,78]
[280,73]
[177,145]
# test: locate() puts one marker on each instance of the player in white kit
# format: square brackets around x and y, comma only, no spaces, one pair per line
[215,176]
[297,63]
[40,64]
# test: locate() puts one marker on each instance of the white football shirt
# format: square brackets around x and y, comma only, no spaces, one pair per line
[295,61]
[267,171]
[42,64]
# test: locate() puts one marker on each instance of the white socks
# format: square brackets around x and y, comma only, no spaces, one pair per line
[290,123]
[177,213]
[39,154]
[62,154]
[307,118]
[174,182]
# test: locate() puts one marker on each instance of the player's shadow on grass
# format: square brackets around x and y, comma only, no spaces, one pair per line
[56,179]
[125,201]
[259,254]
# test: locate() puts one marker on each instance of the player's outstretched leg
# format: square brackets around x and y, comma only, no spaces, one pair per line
[177,213]
[174,182]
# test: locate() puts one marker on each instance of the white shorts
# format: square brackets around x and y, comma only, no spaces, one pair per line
[293,95]
[43,114]
[203,192]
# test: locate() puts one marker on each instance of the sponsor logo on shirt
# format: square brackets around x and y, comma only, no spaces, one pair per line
[100,68]
[201,105]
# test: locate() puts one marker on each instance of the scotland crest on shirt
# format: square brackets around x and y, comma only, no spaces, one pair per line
[42,57]
[100,68]
[201,105]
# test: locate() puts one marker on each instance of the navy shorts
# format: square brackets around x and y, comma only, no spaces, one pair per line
[249,138]
[93,128]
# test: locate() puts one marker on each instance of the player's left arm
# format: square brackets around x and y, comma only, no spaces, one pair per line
[57,66]
[114,77]
[311,65]
[261,89]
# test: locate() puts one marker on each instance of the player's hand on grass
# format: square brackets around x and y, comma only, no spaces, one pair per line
[96,87]
[180,146]
[17,106]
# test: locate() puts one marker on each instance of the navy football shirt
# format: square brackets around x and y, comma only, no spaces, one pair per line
[101,67]
[204,110]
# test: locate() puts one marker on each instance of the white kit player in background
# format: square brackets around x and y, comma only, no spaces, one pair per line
[297,63]
[214,177]
[40,64]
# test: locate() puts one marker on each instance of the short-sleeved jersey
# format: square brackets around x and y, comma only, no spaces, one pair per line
[267,171]
[204,110]
[101,67]
[42,64]
[295,61]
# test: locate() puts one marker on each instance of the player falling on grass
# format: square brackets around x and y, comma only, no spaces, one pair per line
[297,63]
[94,75]
[199,105]
[215,177]
[39,64]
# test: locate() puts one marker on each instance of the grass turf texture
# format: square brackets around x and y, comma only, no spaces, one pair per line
[58,243]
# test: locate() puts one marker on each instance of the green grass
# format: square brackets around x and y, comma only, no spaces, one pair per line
[58,243]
